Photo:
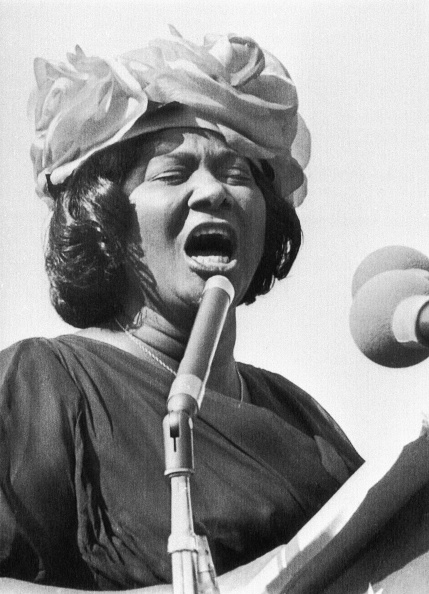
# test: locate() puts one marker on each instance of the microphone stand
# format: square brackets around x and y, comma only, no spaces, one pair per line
[192,567]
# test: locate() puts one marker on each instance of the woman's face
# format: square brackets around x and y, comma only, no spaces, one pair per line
[199,212]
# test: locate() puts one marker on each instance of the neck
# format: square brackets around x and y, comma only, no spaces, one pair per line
[170,343]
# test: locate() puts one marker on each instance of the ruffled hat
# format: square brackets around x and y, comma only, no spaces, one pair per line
[228,84]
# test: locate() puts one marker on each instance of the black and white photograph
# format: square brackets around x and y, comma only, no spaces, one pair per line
[214,289]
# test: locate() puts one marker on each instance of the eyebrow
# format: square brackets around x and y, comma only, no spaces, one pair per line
[225,154]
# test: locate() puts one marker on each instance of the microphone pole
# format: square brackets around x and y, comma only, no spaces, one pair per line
[193,572]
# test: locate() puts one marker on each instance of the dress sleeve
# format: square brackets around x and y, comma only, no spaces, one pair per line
[39,407]
[338,455]
[298,408]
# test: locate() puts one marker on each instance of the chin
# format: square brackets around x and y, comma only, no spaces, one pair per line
[193,290]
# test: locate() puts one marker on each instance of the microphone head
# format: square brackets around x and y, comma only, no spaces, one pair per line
[372,313]
[392,257]
[220,282]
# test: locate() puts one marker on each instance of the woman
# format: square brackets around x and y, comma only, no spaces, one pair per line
[163,167]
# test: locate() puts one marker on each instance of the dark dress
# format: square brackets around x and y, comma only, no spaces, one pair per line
[84,501]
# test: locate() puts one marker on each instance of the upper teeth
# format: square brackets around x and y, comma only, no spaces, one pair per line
[200,232]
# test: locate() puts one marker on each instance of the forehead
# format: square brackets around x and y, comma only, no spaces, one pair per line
[186,141]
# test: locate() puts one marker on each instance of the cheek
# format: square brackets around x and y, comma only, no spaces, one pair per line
[259,215]
[150,223]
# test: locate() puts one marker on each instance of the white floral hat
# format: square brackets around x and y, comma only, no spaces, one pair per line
[228,84]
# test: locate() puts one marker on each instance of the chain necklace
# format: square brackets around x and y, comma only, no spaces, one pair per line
[143,347]
[160,362]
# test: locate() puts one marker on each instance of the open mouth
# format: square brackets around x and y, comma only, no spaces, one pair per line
[211,247]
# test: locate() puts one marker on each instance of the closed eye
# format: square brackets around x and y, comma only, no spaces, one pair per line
[174,176]
[237,176]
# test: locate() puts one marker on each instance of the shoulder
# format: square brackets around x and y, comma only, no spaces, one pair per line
[33,375]
[277,385]
[268,388]
[31,357]
[28,349]
[42,354]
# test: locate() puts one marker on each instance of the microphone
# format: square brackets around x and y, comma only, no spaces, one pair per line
[184,400]
[187,390]
[389,317]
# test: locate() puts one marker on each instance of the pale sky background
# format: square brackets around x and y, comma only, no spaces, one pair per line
[362,74]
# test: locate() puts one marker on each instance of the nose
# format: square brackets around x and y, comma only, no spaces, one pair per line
[208,192]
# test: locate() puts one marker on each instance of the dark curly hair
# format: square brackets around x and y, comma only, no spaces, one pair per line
[87,249]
